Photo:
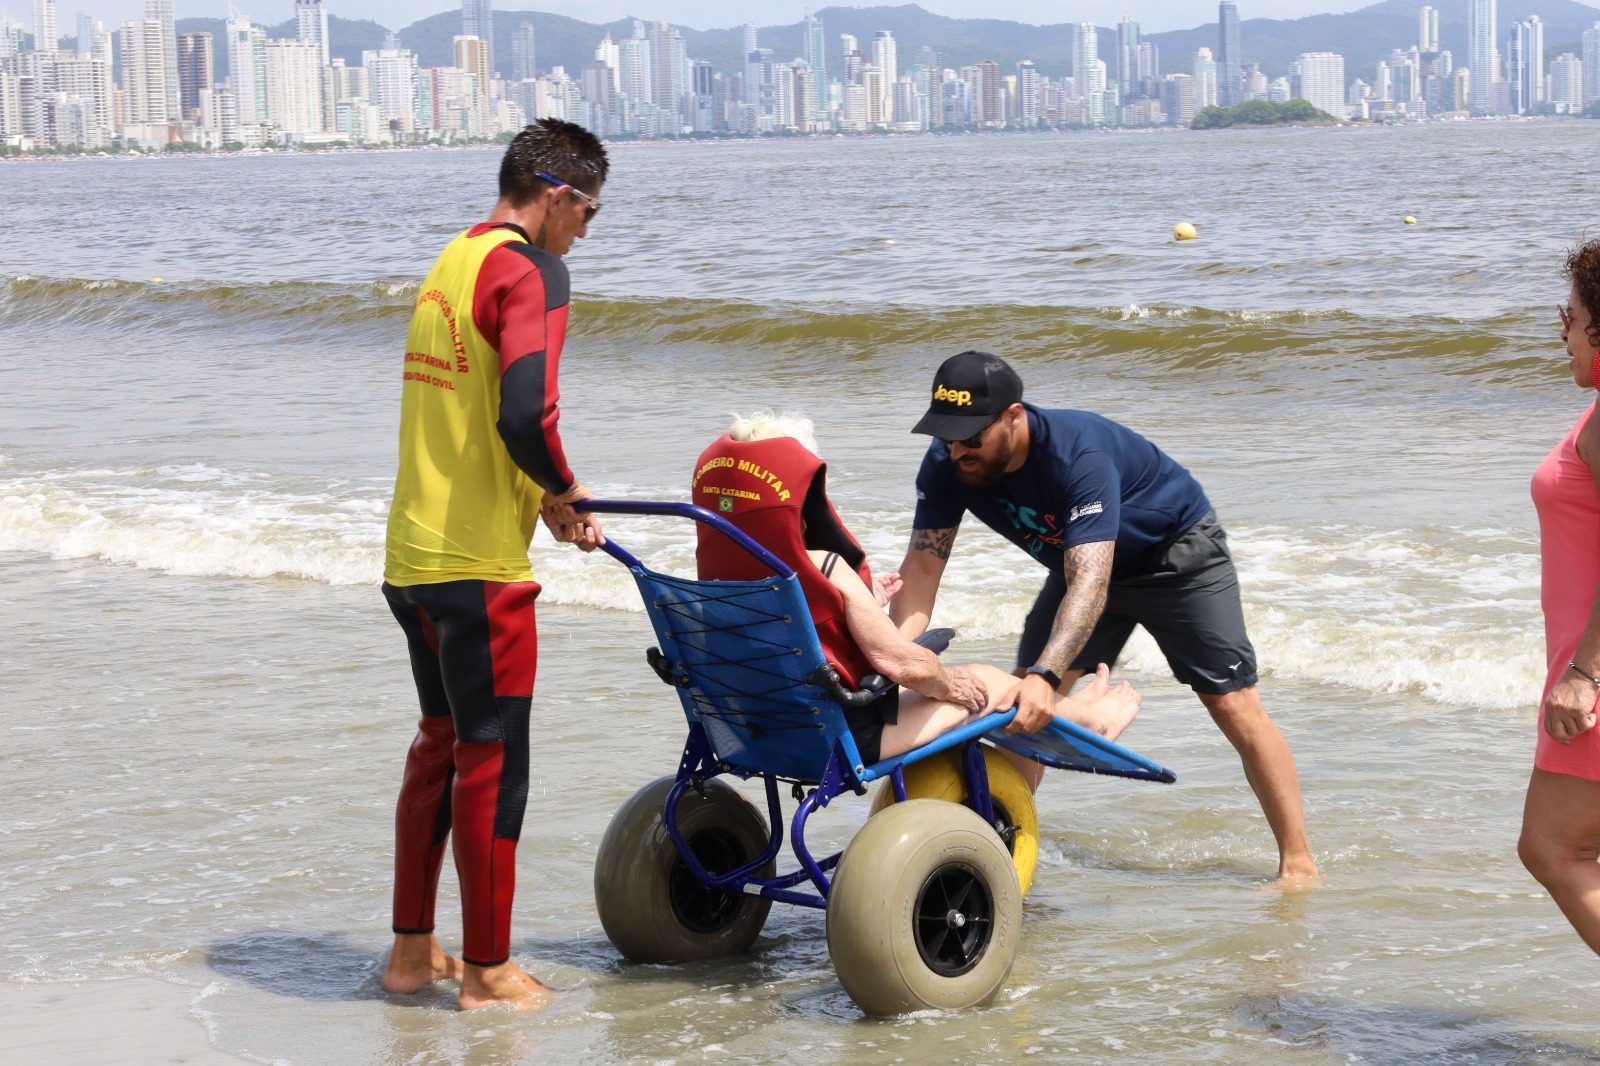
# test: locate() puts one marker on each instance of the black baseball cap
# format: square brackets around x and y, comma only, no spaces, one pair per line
[970,390]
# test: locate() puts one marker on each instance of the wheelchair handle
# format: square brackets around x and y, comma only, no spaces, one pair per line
[680,510]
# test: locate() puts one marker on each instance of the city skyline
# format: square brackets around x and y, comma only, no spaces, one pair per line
[644,80]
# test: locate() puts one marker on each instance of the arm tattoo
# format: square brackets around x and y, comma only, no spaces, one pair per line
[1088,571]
[937,541]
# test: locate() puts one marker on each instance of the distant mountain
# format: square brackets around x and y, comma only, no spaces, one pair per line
[1363,37]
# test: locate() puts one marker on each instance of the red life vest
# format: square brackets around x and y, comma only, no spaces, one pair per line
[766,488]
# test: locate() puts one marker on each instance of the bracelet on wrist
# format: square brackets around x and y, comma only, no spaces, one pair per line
[1581,672]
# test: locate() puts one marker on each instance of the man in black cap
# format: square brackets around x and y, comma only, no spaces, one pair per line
[1127,537]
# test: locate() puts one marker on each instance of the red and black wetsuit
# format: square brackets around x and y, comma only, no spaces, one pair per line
[478,448]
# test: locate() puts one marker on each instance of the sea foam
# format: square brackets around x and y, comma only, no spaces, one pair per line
[1450,615]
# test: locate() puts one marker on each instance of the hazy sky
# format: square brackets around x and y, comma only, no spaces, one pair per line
[1152,15]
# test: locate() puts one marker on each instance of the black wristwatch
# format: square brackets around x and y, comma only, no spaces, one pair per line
[1046,673]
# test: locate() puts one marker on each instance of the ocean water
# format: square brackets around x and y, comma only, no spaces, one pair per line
[207,703]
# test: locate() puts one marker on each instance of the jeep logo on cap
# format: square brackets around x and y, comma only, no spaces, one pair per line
[959,397]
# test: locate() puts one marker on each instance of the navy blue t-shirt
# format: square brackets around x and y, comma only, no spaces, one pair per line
[1086,479]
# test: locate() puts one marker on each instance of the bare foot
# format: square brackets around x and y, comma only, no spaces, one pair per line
[1300,872]
[1101,706]
[506,983]
[417,960]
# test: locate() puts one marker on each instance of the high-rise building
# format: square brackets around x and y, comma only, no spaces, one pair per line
[598,84]
[703,85]
[667,68]
[749,83]
[1177,99]
[909,105]
[1027,114]
[341,84]
[1088,71]
[1147,72]
[1205,79]
[1321,81]
[46,34]
[102,48]
[1230,61]
[885,58]
[196,71]
[523,65]
[1127,56]
[1591,65]
[144,73]
[816,57]
[221,113]
[477,20]
[1428,30]
[606,52]
[85,35]
[633,57]
[161,11]
[294,86]
[10,103]
[472,56]
[1404,84]
[878,101]
[247,69]
[392,81]
[311,24]
[1525,65]
[85,82]
[993,97]
[1483,58]
[1566,84]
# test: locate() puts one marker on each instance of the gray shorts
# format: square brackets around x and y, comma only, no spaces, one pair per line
[1188,600]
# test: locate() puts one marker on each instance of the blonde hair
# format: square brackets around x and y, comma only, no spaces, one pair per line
[764,425]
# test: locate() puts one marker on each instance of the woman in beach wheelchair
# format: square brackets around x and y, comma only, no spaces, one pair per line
[781,652]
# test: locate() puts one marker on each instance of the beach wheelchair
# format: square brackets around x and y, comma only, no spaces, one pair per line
[924,906]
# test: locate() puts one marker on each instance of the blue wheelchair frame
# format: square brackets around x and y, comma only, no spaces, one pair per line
[761,701]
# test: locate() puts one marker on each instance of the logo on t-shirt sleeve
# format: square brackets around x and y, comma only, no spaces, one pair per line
[1085,510]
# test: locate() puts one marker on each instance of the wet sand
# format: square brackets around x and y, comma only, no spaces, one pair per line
[139,1020]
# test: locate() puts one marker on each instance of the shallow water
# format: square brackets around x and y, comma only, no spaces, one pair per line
[208,703]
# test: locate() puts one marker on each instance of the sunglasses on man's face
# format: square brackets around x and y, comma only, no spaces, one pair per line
[973,442]
[1565,311]
[592,206]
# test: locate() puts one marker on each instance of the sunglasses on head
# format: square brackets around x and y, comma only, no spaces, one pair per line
[592,205]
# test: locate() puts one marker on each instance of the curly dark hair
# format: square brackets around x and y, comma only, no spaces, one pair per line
[562,149]
[1583,270]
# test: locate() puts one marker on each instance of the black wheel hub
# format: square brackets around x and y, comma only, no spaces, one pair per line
[953,919]
[1006,827]
[700,907]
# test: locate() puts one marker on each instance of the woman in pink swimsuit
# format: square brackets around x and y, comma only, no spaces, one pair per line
[1561,818]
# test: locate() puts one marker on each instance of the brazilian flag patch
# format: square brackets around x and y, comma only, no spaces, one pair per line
[725,504]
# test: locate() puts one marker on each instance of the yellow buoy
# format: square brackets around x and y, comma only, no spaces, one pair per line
[155,281]
[1184,231]
[1411,220]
